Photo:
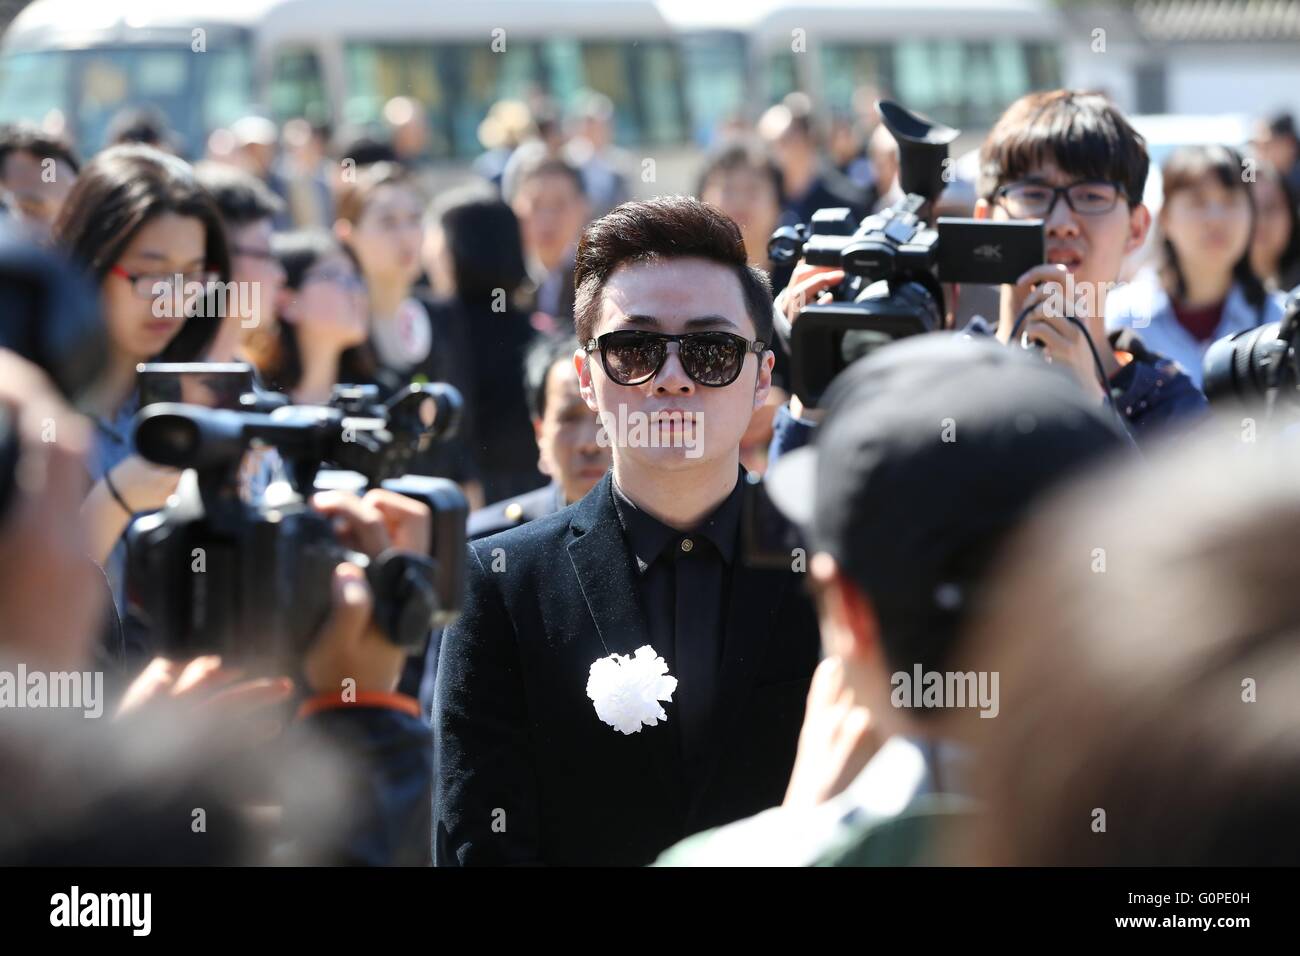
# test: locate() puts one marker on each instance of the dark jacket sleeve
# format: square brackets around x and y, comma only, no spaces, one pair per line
[788,433]
[485,801]
[389,761]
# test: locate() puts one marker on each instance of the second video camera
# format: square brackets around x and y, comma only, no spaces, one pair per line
[214,573]
[894,261]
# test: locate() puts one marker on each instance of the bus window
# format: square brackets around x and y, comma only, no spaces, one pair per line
[847,68]
[378,72]
[716,81]
[962,83]
[656,78]
[33,85]
[782,78]
[296,86]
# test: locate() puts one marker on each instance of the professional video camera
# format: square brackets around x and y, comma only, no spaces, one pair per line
[250,580]
[893,261]
[1259,364]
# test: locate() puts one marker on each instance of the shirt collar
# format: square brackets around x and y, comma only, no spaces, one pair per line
[649,536]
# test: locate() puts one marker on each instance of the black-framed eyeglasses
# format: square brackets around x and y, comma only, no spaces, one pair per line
[248,252]
[1037,200]
[712,359]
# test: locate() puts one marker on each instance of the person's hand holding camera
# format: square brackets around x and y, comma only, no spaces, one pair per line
[350,645]
[807,284]
[130,487]
[1041,292]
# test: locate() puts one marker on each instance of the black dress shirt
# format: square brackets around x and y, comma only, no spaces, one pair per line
[685,583]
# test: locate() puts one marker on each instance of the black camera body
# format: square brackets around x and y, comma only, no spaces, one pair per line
[1257,365]
[214,573]
[894,261]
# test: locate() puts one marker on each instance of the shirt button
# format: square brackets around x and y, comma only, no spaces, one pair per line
[687,544]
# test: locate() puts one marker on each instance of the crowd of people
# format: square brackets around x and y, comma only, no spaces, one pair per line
[1037,499]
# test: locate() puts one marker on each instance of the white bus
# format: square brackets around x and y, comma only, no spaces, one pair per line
[675,69]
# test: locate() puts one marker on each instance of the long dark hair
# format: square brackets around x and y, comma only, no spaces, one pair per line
[484,243]
[1288,263]
[120,191]
[280,361]
[1185,167]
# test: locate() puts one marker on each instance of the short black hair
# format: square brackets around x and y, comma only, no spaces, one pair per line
[139,124]
[544,353]
[242,198]
[1083,133]
[25,138]
[652,230]
[539,164]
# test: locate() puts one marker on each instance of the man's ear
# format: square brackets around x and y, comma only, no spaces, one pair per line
[1139,224]
[582,365]
[982,209]
[342,230]
[763,382]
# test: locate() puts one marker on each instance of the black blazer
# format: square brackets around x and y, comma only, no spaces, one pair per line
[525,772]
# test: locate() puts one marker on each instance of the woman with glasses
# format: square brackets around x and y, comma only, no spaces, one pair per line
[1203,287]
[151,237]
[322,318]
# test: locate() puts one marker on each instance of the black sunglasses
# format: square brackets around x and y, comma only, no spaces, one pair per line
[633,357]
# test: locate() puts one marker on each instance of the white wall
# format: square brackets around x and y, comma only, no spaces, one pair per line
[1259,80]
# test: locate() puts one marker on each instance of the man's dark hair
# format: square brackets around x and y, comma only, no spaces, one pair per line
[654,230]
[242,198]
[1083,133]
[25,138]
[739,154]
[1283,125]
[542,356]
[540,164]
[143,124]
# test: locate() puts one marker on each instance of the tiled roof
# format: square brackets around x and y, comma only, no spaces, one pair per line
[1218,20]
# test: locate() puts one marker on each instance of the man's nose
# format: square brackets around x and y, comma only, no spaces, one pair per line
[1060,218]
[672,377]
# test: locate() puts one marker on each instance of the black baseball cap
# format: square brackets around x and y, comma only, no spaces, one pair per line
[931,449]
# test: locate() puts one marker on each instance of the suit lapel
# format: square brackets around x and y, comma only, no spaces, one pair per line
[603,563]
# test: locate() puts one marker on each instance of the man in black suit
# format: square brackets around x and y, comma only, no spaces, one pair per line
[674,327]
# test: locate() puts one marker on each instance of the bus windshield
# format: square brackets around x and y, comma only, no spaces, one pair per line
[89,87]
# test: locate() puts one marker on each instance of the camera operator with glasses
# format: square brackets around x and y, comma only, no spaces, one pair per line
[1071,159]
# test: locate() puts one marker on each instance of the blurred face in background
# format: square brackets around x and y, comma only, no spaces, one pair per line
[330,305]
[749,197]
[164,246]
[35,189]
[1208,224]
[552,211]
[252,262]
[566,436]
[1272,226]
[388,234]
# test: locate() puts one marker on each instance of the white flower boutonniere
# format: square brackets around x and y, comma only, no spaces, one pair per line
[627,690]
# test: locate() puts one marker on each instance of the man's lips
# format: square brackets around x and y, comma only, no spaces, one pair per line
[1066,257]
